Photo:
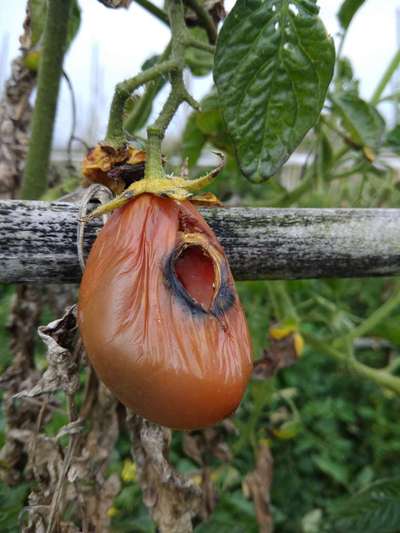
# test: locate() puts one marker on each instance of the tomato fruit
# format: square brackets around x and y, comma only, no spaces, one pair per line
[160,317]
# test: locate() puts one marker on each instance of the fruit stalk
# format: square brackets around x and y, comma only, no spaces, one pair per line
[178,93]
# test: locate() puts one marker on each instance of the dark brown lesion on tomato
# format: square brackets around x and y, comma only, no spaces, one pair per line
[197,275]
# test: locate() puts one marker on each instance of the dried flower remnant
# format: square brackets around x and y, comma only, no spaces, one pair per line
[114,168]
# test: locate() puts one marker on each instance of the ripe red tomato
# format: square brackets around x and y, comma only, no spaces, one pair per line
[160,317]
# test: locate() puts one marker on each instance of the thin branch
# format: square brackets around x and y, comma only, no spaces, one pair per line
[73,120]
[381,378]
[152,89]
[154,10]
[178,94]
[377,317]
[115,131]
[204,18]
[387,76]
[195,43]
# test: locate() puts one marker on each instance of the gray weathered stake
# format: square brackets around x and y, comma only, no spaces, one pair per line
[38,242]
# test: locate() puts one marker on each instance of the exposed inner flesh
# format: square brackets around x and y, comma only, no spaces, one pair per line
[195,270]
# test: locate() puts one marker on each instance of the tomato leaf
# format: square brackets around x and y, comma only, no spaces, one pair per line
[361,120]
[193,141]
[199,62]
[392,139]
[38,14]
[347,11]
[273,64]
[74,22]
[376,508]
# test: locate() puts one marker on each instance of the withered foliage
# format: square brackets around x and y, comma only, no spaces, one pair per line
[202,446]
[70,477]
[20,375]
[210,442]
[257,485]
[114,168]
[280,354]
[15,115]
[171,499]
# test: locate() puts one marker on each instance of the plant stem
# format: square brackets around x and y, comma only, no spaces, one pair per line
[284,309]
[293,196]
[204,18]
[387,76]
[54,43]
[376,317]
[178,94]
[380,377]
[115,131]
[333,127]
[174,66]
[195,43]
[154,10]
[393,96]
[351,172]
[136,118]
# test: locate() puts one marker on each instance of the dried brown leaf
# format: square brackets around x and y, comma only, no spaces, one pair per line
[257,486]
[171,499]
[192,448]
[113,168]
[281,353]
[208,442]
[210,497]
[21,374]
[15,116]
[62,372]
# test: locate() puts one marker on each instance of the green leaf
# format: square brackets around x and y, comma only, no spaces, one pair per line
[273,64]
[376,508]
[199,61]
[362,121]
[345,81]
[12,500]
[347,11]
[209,121]
[38,14]
[74,22]
[338,472]
[193,141]
[393,139]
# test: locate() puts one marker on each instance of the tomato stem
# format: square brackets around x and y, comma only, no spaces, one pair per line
[204,18]
[381,377]
[154,10]
[115,132]
[139,114]
[177,95]
[172,62]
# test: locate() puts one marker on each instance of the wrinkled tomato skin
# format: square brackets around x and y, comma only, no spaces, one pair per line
[174,365]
